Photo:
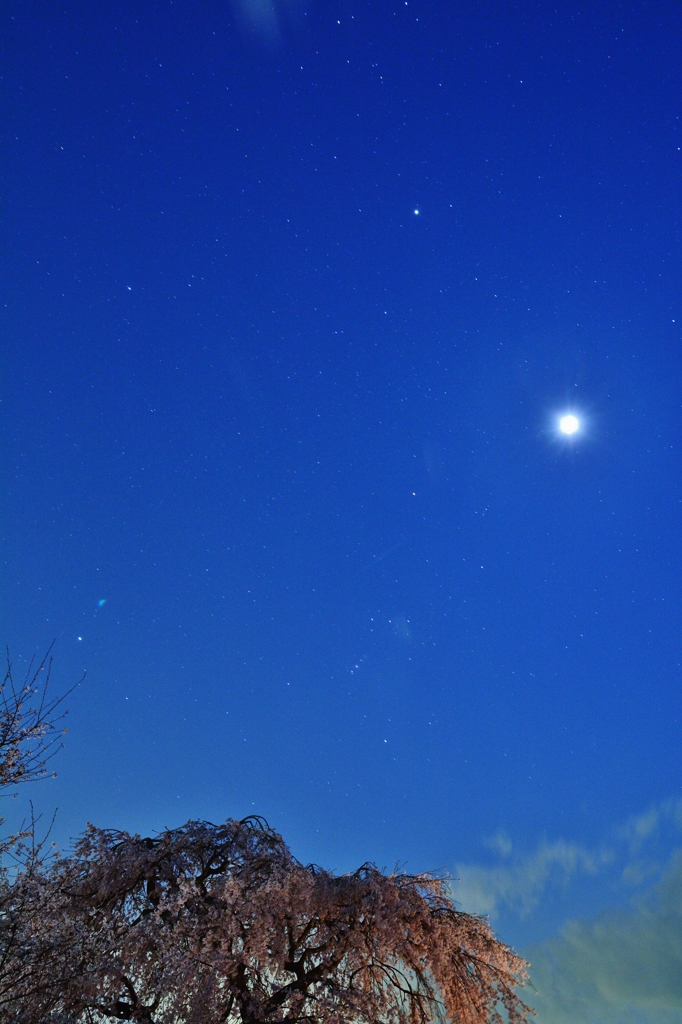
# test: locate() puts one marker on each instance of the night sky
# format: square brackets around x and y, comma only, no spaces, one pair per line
[292,298]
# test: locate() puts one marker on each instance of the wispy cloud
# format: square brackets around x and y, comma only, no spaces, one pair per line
[631,853]
[520,884]
[641,828]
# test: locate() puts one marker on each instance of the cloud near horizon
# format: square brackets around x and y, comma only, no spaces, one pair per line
[623,965]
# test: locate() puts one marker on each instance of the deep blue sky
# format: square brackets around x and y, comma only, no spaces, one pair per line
[302,438]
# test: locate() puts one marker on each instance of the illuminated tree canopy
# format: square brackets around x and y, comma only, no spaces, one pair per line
[220,923]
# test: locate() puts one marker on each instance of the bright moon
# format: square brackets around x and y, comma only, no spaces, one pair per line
[569,424]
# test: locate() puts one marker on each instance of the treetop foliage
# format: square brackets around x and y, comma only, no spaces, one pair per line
[220,923]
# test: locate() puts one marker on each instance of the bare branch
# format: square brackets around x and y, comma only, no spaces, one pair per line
[31,722]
